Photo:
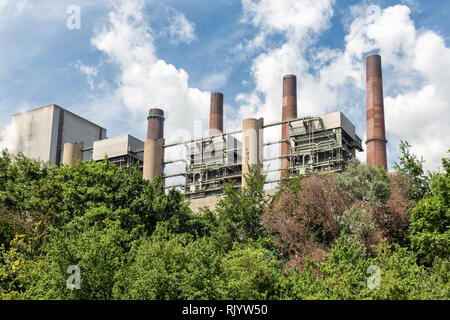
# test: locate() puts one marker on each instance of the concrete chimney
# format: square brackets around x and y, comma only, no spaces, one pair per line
[289,111]
[252,146]
[376,136]
[155,128]
[216,114]
[154,145]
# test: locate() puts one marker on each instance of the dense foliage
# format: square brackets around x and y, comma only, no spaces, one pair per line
[359,234]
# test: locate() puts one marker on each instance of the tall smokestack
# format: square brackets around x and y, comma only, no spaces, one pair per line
[216,114]
[155,129]
[154,145]
[289,112]
[376,136]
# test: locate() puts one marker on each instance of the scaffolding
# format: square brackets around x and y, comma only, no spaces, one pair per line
[210,164]
[323,143]
[125,161]
[316,147]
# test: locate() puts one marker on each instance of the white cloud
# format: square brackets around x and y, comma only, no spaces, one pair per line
[215,80]
[181,29]
[14,7]
[145,81]
[9,137]
[297,18]
[417,100]
[298,21]
[89,71]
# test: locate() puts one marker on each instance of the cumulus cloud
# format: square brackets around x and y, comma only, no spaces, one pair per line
[297,18]
[181,29]
[145,81]
[9,137]
[298,21]
[417,99]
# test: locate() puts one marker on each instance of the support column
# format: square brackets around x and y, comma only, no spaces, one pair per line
[252,145]
[153,159]
[289,111]
[72,152]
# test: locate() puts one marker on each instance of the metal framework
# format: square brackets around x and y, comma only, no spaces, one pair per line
[210,164]
[315,148]
[125,161]
[317,144]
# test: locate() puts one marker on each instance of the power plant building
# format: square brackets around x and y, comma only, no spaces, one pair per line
[124,151]
[313,144]
[42,132]
[321,144]
[210,163]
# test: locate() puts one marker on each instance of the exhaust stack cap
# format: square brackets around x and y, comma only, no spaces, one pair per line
[155,129]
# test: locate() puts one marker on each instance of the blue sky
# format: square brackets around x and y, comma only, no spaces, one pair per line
[131,55]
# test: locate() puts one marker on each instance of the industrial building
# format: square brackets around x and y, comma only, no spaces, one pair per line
[42,132]
[124,151]
[313,144]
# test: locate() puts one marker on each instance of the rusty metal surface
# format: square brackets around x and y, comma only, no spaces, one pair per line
[155,128]
[216,114]
[289,111]
[376,136]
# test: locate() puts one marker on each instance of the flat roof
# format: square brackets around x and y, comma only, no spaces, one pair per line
[65,110]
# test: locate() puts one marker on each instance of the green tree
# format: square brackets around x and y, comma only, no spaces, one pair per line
[252,273]
[358,223]
[361,182]
[169,266]
[430,220]
[76,206]
[347,270]
[237,216]
[99,253]
[409,164]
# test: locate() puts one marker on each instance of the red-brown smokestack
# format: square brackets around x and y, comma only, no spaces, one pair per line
[376,136]
[289,112]
[216,114]
[155,129]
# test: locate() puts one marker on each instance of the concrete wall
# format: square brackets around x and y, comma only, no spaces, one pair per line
[330,120]
[34,132]
[42,132]
[76,129]
[118,146]
[211,201]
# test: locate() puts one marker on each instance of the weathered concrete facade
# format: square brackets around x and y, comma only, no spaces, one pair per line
[153,159]
[72,152]
[42,132]
[252,145]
